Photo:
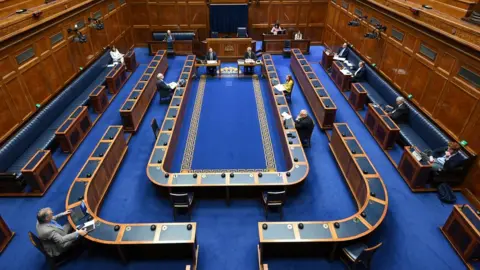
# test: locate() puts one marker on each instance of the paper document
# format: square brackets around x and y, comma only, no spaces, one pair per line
[249,61]
[211,61]
[346,72]
[111,65]
[286,116]
[88,226]
[173,85]
[348,63]
[336,58]
[280,87]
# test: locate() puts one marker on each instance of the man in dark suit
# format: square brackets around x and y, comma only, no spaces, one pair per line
[249,55]
[169,37]
[343,51]
[399,112]
[163,89]
[211,55]
[304,126]
[446,159]
[359,74]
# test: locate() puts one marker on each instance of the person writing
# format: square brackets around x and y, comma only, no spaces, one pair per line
[249,55]
[288,85]
[359,74]
[117,57]
[304,126]
[211,56]
[399,112]
[164,89]
[298,35]
[56,239]
[276,29]
[446,159]
[343,51]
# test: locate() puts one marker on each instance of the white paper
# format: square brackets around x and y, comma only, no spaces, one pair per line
[111,65]
[172,85]
[240,61]
[249,61]
[346,72]
[286,116]
[211,61]
[337,58]
[280,87]
[348,63]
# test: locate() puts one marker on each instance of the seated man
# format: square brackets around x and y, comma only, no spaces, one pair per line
[445,159]
[165,90]
[399,112]
[359,74]
[55,238]
[343,52]
[117,57]
[288,85]
[169,37]
[249,55]
[304,126]
[211,55]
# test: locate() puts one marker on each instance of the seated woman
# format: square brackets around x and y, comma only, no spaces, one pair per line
[288,85]
[276,29]
[117,57]
[298,35]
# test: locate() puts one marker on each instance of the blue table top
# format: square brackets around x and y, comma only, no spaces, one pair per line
[350,227]
[365,165]
[157,175]
[134,94]
[140,86]
[33,162]
[189,63]
[343,128]
[104,231]
[471,216]
[101,149]
[167,125]
[190,57]
[242,179]
[157,58]
[328,103]
[145,78]
[297,173]
[89,168]
[76,113]
[315,231]
[213,179]
[163,140]
[128,105]
[373,212]
[316,83]
[139,233]
[184,76]
[321,92]
[353,146]
[97,90]
[376,188]
[176,233]
[77,192]
[149,70]
[157,156]
[65,125]
[270,178]
[379,110]
[389,122]
[153,64]
[111,132]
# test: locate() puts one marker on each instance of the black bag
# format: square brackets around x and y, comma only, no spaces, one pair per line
[445,193]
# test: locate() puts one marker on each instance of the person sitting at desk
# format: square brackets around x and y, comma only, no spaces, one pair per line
[211,55]
[249,55]
[288,85]
[445,159]
[343,51]
[304,126]
[399,112]
[117,57]
[276,29]
[359,74]
[169,37]
[56,239]
[163,88]
[298,35]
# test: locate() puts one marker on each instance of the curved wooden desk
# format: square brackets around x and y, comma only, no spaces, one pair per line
[158,169]
[135,239]
[368,191]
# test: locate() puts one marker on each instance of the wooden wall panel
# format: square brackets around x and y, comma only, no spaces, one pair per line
[437,88]
[52,66]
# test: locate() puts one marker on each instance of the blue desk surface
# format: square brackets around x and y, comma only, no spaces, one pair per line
[157,58]
[172,112]
[153,64]
[328,103]
[149,70]
[140,86]
[65,125]
[376,188]
[379,110]
[297,173]
[389,122]
[134,94]
[157,156]
[321,92]
[104,231]
[359,88]
[315,231]
[185,179]
[33,162]
[189,63]
[471,216]
[187,69]
[269,62]
[242,179]
[350,227]
[270,178]
[163,140]
[128,105]
[76,113]
[190,57]
[353,146]
[77,192]
[278,232]
[365,165]
[89,168]
[176,101]
[138,233]
[167,125]
[374,212]
[307,68]
[176,233]
[145,78]
[297,152]
[101,149]
[272,75]
[344,130]
[316,83]
[97,90]
[111,132]
[156,174]
[213,179]
[184,76]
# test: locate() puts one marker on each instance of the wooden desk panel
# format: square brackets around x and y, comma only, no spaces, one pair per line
[72,132]
[341,81]
[230,49]
[414,172]
[40,171]
[358,97]
[327,59]
[6,235]
[131,61]
[98,99]
[116,78]
[382,127]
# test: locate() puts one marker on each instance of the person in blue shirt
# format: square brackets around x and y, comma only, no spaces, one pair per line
[446,159]
[55,238]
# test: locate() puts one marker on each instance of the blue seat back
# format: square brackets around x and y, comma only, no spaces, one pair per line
[381,86]
[242,32]
[30,132]
[159,36]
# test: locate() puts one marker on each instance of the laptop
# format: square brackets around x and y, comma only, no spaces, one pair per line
[79,213]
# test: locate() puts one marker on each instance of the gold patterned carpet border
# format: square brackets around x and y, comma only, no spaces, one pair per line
[194,124]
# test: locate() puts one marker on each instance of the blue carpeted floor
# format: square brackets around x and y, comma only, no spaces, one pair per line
[228,235]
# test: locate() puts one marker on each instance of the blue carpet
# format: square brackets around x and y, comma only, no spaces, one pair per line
[228,235]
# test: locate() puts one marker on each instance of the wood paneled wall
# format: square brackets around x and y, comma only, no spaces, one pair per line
[53,66]
[437,89]
[307,16]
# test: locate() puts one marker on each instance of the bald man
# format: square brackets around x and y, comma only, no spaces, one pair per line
[343,51]
[249,55]
[304,126]
[55,238]
[163,88]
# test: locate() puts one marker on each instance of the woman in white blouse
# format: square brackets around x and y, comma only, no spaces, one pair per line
[298,35]
[117,57]
[276,29]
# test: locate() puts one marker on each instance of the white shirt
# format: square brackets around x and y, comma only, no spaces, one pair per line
[275,30]
[341,52]
[116,56]
[298,36]
[397,108]
[355,74]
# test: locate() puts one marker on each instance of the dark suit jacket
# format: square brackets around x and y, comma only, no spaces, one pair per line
[166,37]
[452,163]
[400,114]
[207,57]
[304,127]
[345,53]
[360,75]
[253,56]
[163,88]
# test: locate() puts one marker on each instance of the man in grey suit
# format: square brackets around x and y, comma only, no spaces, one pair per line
[55,238]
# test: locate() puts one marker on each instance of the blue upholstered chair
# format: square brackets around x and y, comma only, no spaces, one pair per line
[358,254]
[182,201]
[287,50]
[242,32]
[273,199]
[214,35]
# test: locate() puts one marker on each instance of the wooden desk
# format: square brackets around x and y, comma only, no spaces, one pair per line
[130,61]
[134,108]
[218,65]
[368,191]
[341,80]
[241,63]
[414,172]
[358,97]
[6,235]
[275,46]
[180,47]
[137,239]
[382,127]
[72,132]
[40,171]
[322,105]
[327,59]
[230,49]
[116,78]
[462,230]
[98,99]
